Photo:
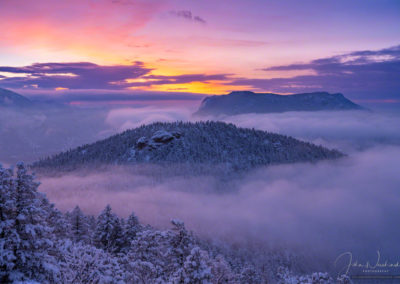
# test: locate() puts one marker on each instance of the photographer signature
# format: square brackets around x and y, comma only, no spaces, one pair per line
[377,266]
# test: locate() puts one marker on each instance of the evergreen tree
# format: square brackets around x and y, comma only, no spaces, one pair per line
[108,234]
[61,228]
[181,241]
[221,270]
[196,269]
[132,228]
[26,236]
[81,263]
[79,226]
[8,234]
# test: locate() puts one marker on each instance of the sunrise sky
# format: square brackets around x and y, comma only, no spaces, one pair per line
[201,46]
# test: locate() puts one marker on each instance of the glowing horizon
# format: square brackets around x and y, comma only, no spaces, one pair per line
[219,48]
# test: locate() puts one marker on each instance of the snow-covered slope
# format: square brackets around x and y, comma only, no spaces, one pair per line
[12,99]
[206,143]
[249,102]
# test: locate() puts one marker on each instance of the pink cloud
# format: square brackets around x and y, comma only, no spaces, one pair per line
[74,23]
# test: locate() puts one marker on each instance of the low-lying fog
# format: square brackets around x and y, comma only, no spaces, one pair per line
[351,204]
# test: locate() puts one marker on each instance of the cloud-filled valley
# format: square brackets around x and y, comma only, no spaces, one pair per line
[319,210]
[327,207]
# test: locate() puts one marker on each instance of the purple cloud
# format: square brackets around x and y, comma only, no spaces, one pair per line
[188,15]
[187,78]
[360,75]
[79,75]
[86,75]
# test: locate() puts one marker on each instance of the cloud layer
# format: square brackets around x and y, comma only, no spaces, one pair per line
[86,75]
[76,75]
[360,75]
[348,131]
[322,209]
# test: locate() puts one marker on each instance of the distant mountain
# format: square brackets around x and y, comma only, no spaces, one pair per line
[248,102]
[12,99]
[201,143]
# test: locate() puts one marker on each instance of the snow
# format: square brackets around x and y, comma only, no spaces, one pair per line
[52,247]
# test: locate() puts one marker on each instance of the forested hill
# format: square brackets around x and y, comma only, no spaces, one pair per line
[206,143]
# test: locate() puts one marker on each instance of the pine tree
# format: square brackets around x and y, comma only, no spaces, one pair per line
[222,272]
[61,228]
[250,275]
[8,234]
[196,269]
[81,263]
[26,236]
[108,234]
[132,228]
[180,245]
[79,226]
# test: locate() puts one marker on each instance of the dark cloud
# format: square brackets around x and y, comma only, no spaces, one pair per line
[360,74]
[186,78]
[188,15]
[86,75]
[79,75]
[198,19]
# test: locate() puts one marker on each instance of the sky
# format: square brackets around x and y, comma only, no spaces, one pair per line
[165,47]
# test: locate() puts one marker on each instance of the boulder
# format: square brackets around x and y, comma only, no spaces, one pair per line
[162,136]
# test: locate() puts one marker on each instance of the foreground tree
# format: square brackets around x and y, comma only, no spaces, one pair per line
[7,224]
[25,234]
[81,263]
[195,270]
[79,226]
[132,228]
[108,234]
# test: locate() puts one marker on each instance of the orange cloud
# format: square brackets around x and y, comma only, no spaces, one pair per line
[61,89]
[215,88]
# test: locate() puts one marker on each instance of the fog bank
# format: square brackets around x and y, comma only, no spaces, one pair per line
[324,208]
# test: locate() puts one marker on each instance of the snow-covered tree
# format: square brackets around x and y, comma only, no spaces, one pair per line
[143,272]
[26,236]
[132,228]
[180,245]
[195,270]
[79,226]
[109,233]
[37,245]
[221,271]
[57,221]
[8,234]
[148,255]
[285,276]
[250,275]
[81,263]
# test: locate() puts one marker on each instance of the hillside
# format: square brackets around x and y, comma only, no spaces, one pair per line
[248,102]
[12,99]
[201,143]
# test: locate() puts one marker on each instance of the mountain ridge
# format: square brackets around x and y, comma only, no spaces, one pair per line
[12,99]
[239,102]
